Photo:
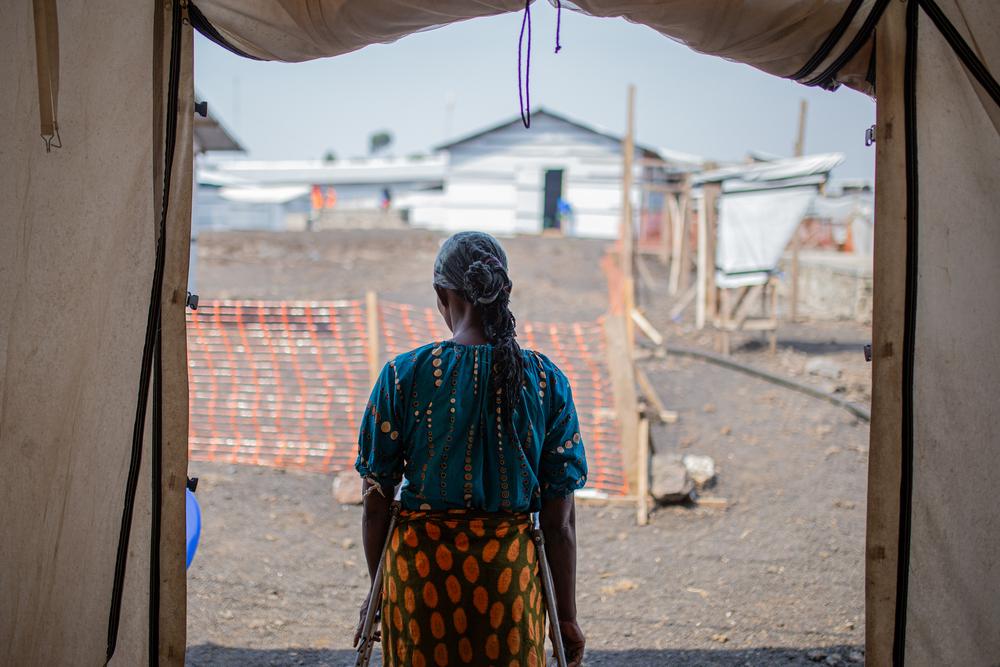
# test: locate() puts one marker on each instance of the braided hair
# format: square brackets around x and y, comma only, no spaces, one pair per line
[474,265]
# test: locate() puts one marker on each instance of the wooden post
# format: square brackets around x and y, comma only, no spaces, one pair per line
[772,337]
[667,223]
[374,340]
[623,384]
[701,282]
[684,206]
[794,278]
[800,137]
[800,143]
[712,192]
[724,322]
[677,228]
[628,244]
[642,468]
[629,285]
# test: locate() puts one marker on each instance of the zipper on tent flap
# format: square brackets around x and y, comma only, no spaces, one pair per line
[909,335]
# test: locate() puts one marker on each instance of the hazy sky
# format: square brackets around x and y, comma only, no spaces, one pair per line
[685,101]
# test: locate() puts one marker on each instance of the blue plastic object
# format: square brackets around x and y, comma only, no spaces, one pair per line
[193,526]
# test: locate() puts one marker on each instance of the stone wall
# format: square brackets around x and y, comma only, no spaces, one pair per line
[832,286]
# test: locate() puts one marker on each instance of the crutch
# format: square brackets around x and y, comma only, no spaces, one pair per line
[367,643]
[550,592]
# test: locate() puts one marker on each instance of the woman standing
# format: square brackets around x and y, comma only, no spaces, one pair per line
[481,433]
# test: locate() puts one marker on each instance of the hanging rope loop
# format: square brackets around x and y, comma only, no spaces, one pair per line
[558,24]
[524,89]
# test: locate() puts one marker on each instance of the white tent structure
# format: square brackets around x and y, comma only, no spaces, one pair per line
[94,245]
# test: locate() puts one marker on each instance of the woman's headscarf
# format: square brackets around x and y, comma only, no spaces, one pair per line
[475,265]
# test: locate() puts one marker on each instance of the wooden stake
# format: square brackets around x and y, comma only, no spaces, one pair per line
[628,244]
[794,296]
[676,234]
[649,393]
[683,302]
[642,468]
[712,192]
[374,343]
[629,286]
[622,370]
[701,283]
[800,141]
[666,230]
[800,137]
[684,254]
[647,328]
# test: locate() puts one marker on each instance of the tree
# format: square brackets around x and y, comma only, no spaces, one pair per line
[378,141]
[329,156]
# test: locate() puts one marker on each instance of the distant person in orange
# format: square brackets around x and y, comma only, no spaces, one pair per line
[331,197]
[316,204]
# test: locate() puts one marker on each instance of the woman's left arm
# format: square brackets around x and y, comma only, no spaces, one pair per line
[375,522]
[380,464]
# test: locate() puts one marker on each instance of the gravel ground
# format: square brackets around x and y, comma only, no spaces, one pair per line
[776,576]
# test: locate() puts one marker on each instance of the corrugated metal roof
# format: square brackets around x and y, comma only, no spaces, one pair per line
[642,151]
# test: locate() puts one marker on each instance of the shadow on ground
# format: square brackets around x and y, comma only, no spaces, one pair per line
[809,347]
[227,656]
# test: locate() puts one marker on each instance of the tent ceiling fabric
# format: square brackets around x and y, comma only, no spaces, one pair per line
[776,36]
[294,31]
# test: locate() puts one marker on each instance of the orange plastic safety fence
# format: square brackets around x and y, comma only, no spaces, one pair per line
[283,383]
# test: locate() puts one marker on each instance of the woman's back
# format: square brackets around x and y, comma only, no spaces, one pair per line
[436,418]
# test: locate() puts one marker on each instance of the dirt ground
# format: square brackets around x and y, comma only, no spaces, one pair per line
[776,576]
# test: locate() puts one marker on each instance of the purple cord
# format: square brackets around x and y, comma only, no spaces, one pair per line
[558,24]
[524,91]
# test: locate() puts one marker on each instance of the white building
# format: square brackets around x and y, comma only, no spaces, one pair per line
[509,180]
[559,174]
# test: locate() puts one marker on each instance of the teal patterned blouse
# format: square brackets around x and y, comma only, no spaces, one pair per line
[433,420]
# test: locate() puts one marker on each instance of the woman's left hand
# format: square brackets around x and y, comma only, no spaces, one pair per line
[377,634]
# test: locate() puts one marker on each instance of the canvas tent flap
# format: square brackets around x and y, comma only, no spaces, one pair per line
[953,599]
[819,42]
[932,569]
[76,250]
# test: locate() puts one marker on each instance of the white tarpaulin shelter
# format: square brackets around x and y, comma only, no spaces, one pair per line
[754,230]
[94,246]
[760,208]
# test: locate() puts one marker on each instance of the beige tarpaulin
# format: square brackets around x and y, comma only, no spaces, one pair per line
[934,590]
[777,36]
[76,258]
[77,230]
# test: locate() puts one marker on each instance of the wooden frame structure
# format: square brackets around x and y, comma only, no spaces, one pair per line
[636,400]
[736,313]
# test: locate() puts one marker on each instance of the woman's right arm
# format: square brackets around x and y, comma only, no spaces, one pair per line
[558,522]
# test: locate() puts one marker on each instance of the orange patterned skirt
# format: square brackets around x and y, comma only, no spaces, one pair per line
[462,588]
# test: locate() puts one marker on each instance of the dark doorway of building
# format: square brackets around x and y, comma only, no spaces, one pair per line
[553,193]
